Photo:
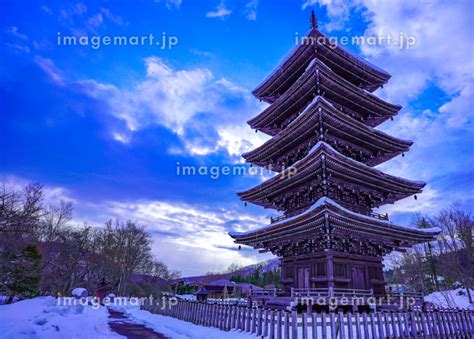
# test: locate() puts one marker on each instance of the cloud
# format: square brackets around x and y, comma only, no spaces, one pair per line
[113,18]
[195,234]
[14,32]
[18,41]
[251,10]
[77,20]
[432,65]
[220,12]
[170,4]
[50,69]
[191,238]
[77,9]
[46,9]
[208,114]
[51,194]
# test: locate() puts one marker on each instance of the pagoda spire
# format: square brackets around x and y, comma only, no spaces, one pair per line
[313,20]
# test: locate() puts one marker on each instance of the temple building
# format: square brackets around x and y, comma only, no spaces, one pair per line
[322,117]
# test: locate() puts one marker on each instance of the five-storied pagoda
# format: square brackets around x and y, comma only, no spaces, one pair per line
[324,147]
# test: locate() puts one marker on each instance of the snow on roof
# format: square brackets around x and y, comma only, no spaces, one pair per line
[327,201]
[344,51]
[321,144]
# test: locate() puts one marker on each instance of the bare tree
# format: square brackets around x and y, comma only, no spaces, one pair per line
[456,247]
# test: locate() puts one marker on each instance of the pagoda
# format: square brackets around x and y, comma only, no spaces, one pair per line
[324,146]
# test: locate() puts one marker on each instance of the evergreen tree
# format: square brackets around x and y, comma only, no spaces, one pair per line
[23,276]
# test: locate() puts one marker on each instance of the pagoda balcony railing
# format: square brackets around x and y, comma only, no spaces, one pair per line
[330,292]
[381,216]
[266,292]
[277,219]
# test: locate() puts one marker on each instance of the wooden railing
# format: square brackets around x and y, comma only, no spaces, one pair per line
[266,292]
[330,292]
[277,219]
[379,216]
[284,324]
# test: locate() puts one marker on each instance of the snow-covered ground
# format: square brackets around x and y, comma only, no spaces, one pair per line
[450,298]
[42,318]
[177,329]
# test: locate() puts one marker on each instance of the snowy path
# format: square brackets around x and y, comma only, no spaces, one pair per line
[121,325]
[175,328]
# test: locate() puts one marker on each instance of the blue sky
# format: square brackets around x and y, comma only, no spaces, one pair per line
[106,128]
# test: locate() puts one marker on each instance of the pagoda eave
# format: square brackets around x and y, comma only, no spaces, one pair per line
[359,72]
[328,219]
[322,121]
[324,171]
[318,79]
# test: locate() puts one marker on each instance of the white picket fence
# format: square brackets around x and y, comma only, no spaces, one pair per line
[284,324]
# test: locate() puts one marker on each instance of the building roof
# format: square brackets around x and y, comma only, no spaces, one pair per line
[326,216]
[322,120]
[357,70]
[319,79]
[329,172]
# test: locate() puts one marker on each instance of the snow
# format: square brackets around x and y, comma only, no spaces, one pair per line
[187,297]
[451,298]
[325,200]
[42,317]
[175,328]
[79,292]
[322,143]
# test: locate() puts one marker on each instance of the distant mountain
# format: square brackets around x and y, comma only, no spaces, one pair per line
[265,266]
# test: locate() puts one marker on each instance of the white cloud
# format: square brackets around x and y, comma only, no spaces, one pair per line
[50,69]
[51,194]
[191,238]
[178,99]
[170,4]
[220,12]
[14,32]
[439,59]
[251,10]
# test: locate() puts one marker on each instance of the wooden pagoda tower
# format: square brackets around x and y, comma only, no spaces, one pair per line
[321,117]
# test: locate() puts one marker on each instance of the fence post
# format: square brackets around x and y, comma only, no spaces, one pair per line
[254,320]
[304,324]
[272,324]
[294,325]
[314,325]
[287,325]
[259,322]
[324,330]
[340,316]
[349,325]
[333,325]
[424,324]
[279,324]
[414,331]
[380,325]
[386,323]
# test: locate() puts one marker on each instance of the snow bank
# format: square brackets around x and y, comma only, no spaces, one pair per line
[42,318]
[175,328]
[79,292]
[187,297]
[450,298]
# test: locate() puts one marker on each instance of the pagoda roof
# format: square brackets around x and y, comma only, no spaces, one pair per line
[318,79]
[325,217]
[325,168]
[317,45]
[294,142]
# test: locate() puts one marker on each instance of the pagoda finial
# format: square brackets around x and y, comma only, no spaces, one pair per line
[313,20]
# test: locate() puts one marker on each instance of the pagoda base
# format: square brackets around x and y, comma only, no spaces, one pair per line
[330,269]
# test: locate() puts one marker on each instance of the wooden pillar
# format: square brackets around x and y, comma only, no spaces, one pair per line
[330,268]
